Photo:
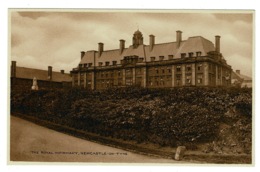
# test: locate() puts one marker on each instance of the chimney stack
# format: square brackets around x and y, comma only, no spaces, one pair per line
[13,69]
[62,71]
[50,72]
[217,43]
[122,45]
[152,41]
[178,38]
[238,71]
[100,48]
[82,54]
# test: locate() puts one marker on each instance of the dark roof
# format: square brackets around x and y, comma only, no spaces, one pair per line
[191,45]
[29,73]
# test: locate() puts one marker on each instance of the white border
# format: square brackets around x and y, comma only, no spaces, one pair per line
[110,4]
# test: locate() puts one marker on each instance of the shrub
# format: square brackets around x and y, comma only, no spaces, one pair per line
[167,117]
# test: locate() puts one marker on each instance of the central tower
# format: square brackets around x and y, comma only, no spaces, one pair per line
[137,39]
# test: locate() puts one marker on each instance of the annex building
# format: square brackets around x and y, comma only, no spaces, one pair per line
[192,62]
[22,78]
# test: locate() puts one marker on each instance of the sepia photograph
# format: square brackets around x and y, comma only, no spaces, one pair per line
[131,86]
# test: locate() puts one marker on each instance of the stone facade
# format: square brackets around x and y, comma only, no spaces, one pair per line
[191,62]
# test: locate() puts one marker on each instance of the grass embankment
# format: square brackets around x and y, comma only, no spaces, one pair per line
[208,120]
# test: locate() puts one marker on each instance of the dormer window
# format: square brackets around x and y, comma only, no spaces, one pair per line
[183,55]
[107,63]
[170,57]
[141,59]
[80,65]
[152,59]
[85,65]
[161,58]
[100,64]
[90,64]
[198,53]
[114,63]
[190,54]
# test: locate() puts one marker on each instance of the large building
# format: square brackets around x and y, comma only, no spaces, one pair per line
[192,62]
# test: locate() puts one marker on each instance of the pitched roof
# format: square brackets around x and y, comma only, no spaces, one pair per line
[110,55]
[235,75]
[29,73]
[164,49]
[193,44]
[196,44]
[88,57]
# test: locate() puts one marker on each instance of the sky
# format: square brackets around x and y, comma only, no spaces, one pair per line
[39,39]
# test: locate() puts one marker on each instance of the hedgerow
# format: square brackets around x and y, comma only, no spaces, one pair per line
[167,117]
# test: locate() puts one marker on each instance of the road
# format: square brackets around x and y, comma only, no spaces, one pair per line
[31,142]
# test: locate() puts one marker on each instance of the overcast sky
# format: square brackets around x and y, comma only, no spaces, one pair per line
[41,39]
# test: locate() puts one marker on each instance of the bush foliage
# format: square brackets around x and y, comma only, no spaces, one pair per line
[168,117]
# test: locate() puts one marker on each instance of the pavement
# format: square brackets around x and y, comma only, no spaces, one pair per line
[33,143]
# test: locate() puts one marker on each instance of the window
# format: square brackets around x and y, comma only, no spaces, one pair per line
[183,55]
[100,63]
[138,71]
[162,70]
[119,73]
[178,68]
[190,54]
[107,63]
[188,79]
[80,65]
[161,81]
[199,78]
[188,68]
[138,81]
[198,53]
[178,80]
[114,63]
[219,72]
[210,78]
[152,59]
[170,57]
[169,70]
[161,58]
[128,81]
[90,64]
[199,67]
[85,65]
[107,83]
[156,70]
[128,72]
[140,59]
